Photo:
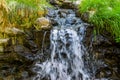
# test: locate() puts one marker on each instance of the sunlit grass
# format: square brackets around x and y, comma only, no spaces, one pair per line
[21,13]
[4,11]
[25,12]
[103,14]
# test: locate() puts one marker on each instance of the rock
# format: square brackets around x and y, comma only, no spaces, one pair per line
[32,44]
[77,2]
[43,23]
[85,16]
[3,40]
[100,40]
[1,49]
[23,51]
[68,5]
[104,53]
[54,22]
[56,2]
[24,74]
[8,49]
[104,72]
[12,31]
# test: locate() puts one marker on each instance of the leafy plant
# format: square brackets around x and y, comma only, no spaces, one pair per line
[104,15]
[21,13]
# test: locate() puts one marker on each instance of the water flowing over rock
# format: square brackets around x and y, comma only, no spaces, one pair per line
[67,49]
[60,46]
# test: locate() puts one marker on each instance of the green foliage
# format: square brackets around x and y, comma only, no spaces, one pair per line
[30,3]
[103,14]
[21,13]
[25,12]
[4,10]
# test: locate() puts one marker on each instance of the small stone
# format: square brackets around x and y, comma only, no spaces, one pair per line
[32,43]
[23,51]
[12,31]
[4,40]
[43,23]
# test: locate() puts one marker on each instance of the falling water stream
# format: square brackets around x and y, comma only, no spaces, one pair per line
[67,49]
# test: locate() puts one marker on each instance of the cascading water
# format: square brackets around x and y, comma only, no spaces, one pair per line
[67,49]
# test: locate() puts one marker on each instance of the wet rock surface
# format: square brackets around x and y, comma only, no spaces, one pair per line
[104,55]
[19,53]
[64,4]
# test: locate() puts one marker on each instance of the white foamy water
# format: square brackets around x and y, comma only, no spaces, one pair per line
[67,50]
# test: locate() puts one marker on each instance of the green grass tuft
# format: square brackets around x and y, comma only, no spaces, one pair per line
[104,14]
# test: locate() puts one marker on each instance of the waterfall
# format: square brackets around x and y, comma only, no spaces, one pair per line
[67,49]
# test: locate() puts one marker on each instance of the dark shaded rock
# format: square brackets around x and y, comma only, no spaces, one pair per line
[12,64]
[100,40]
[21,50]
[104,72]
[56,2]
[32,43]
[67,5]
[53,2]
[53,22]
[29,34]
[104,55]
[64,4]
[84,16]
